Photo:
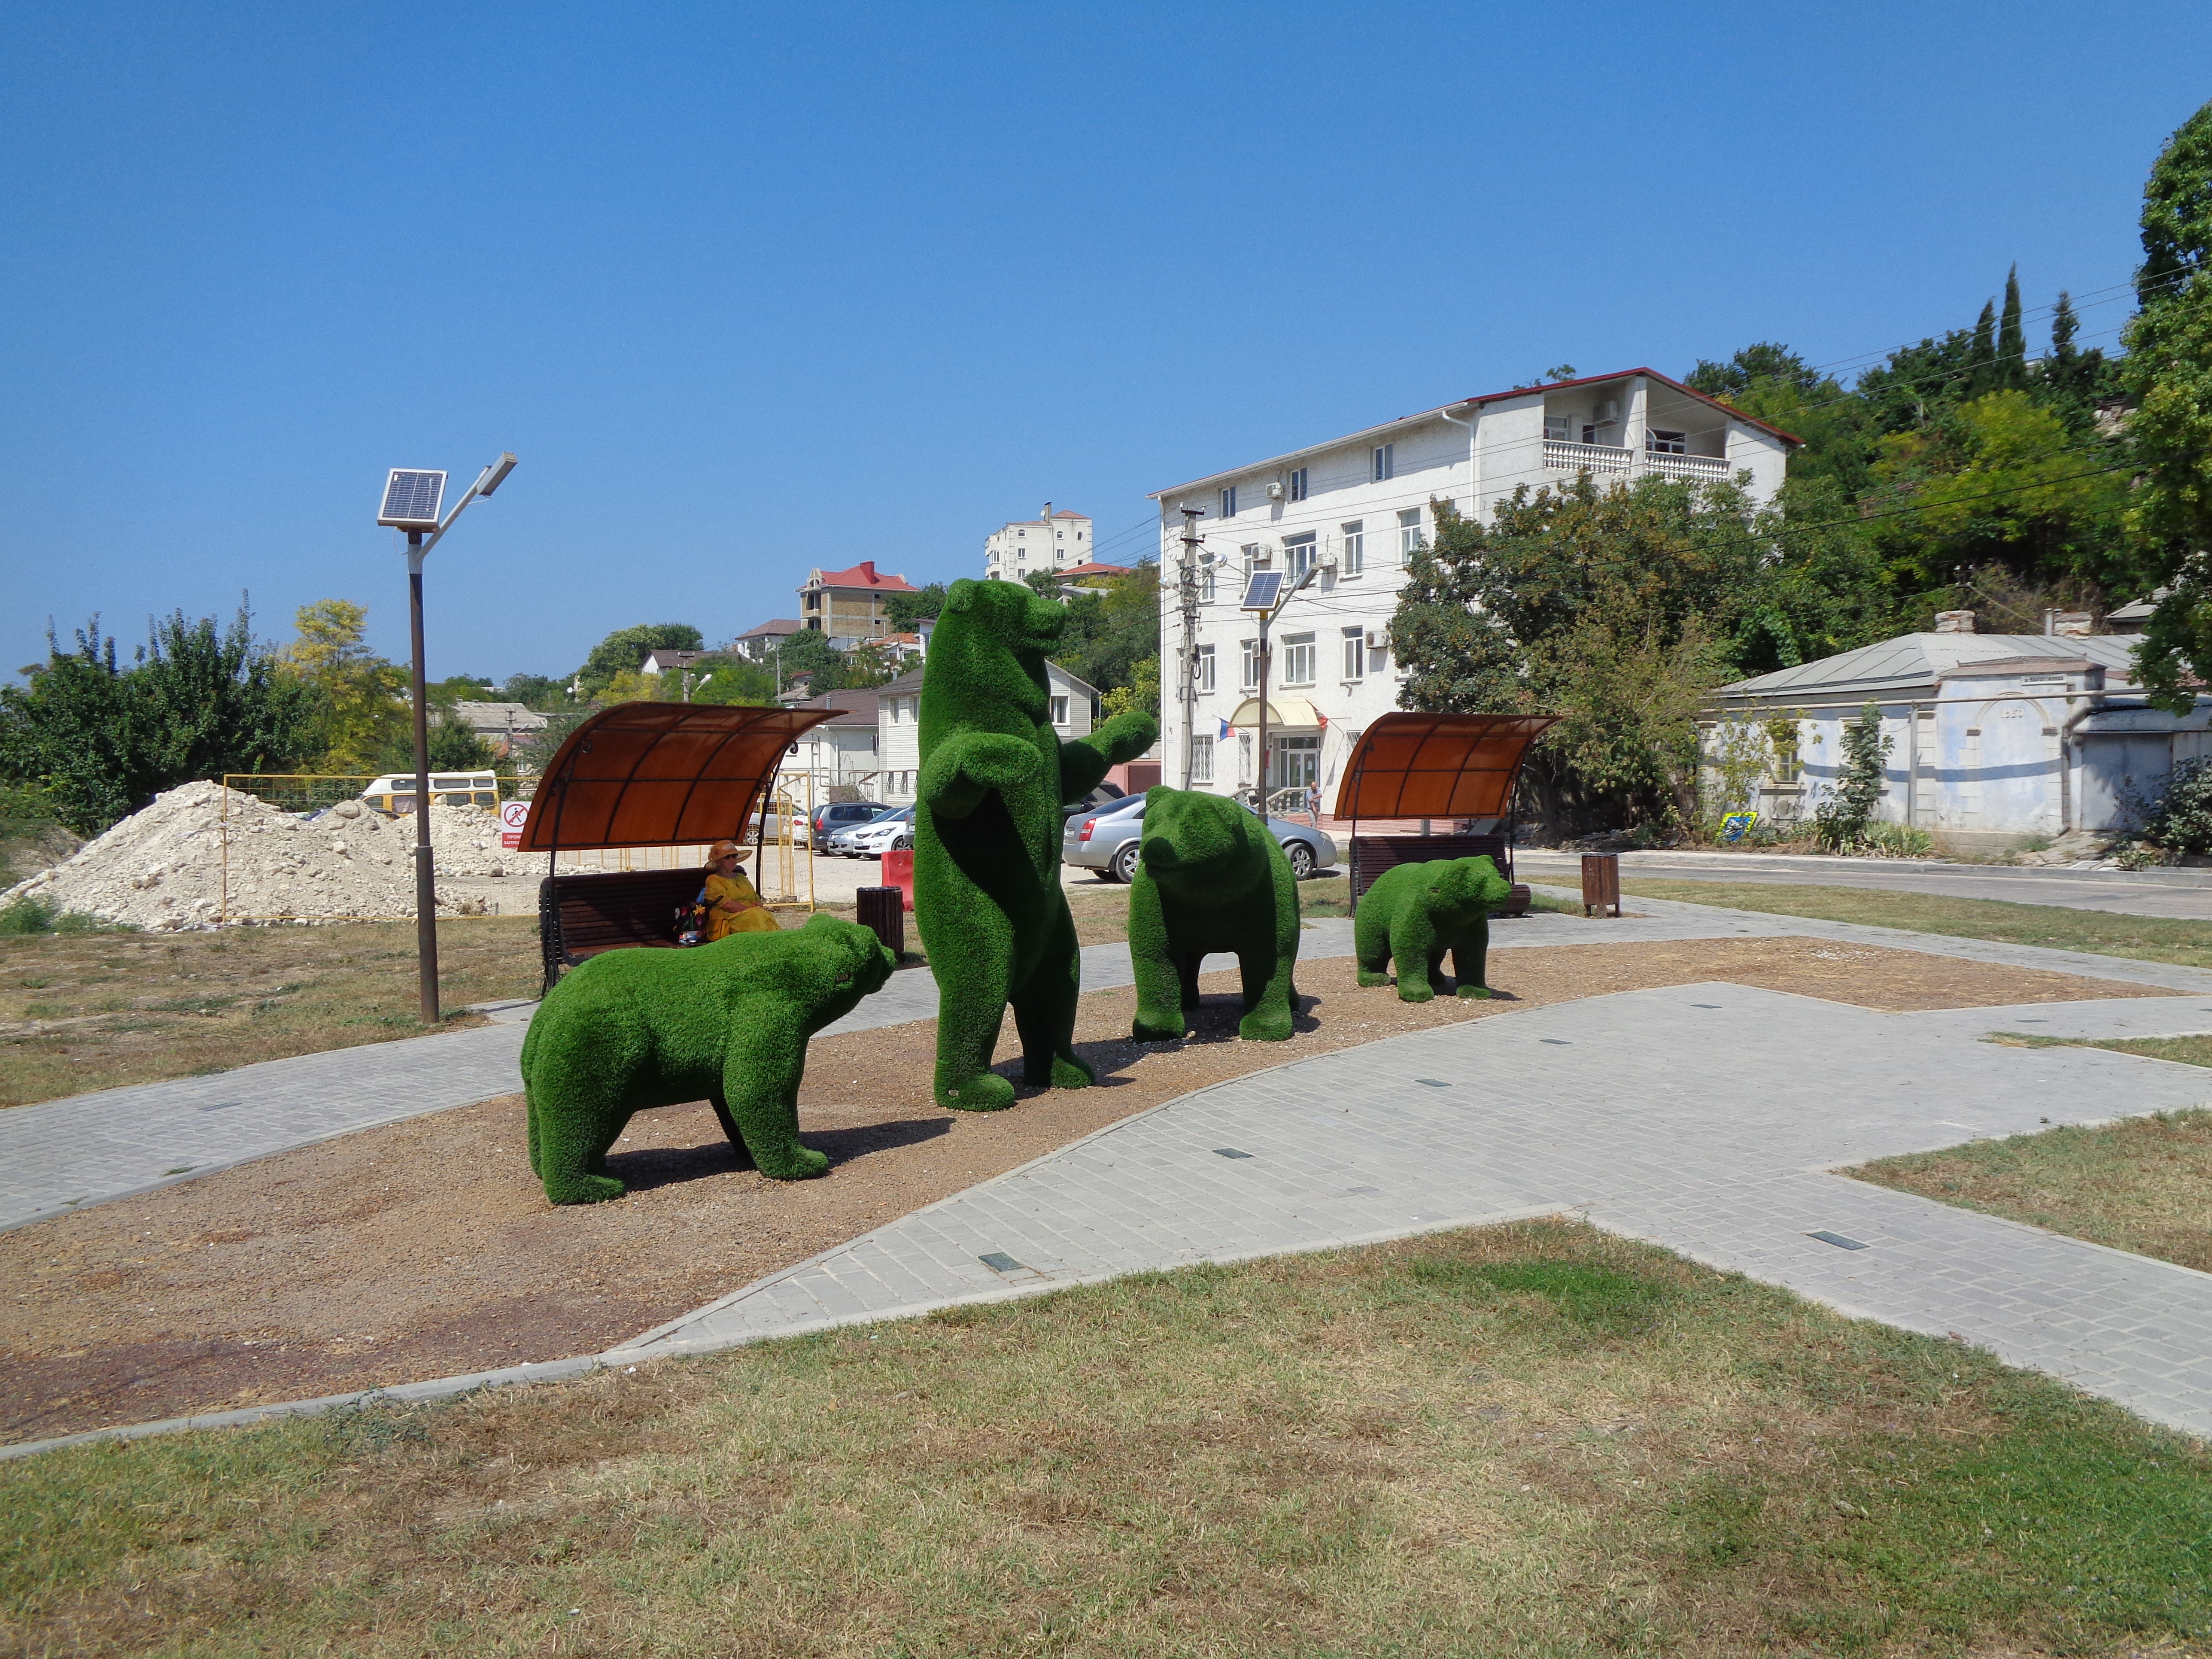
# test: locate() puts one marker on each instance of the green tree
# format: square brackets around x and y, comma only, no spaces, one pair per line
[1619,610]
[2012,339]
[2169,371]
[1847,807]
[905,610]
[736,680]
[626,648]
[361,699]
[534,691]
[101,741]
[1142,693]
[809,652]
[454,747]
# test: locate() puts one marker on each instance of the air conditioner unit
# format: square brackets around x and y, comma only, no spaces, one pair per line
[1275,492]
[1609,410]
[1378,639]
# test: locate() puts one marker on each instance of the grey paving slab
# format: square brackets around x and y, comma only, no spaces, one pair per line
[1715,1140]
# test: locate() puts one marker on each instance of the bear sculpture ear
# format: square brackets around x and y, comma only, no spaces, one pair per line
[960,598]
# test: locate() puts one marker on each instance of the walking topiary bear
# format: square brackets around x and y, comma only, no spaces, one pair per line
[728,1022]
[986,829]
[1210,878]
[1417,912]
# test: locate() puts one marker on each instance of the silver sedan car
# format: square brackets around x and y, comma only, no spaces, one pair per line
[1107,842]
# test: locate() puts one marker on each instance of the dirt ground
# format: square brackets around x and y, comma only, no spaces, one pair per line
[425,1249]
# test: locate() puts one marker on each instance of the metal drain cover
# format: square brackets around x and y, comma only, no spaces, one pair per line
[1838,1241]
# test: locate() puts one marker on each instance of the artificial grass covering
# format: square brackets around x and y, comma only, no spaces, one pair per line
[1210,877]
[726,1022]
[1530,1440]
[1415,913]
[987,892]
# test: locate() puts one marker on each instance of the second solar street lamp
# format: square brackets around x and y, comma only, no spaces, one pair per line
[412,498]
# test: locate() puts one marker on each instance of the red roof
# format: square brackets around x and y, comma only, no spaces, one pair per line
[1094,569]
[864,575]
[1068,513]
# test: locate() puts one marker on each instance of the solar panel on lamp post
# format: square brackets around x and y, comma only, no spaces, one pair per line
[411,500]
[1264,597]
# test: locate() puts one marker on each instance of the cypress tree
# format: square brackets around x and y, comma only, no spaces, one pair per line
[2012,341]
[1981,355]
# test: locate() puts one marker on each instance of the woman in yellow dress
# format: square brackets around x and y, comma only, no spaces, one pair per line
[733,905]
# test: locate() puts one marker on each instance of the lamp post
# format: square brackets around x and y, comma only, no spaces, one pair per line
[411,500]
[1264,597]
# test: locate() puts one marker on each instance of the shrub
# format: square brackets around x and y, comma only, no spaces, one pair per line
[2180,819]
[33,914]
[1896,841]
[1841,819]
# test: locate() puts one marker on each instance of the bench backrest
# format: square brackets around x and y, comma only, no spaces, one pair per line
[1372,855]
[579,917]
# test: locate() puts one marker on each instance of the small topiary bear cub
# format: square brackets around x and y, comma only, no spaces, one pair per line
[1210,877]
[1415,913]
[726,1023]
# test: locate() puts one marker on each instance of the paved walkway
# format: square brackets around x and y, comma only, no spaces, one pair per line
[2182,894]
[84,1149]
[1698,1117]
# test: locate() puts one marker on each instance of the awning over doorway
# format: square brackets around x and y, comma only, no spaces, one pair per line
[1283,714]
[1437,766]
[661,774]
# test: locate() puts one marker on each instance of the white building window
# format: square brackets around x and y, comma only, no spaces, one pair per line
[1202,759]
[1353,559]
[1409,531]
[1298,483]
[1386,462]
[1059,711]
[1298,557]
[1355,654]
[1255,558]
[1667,443]
[1206,584]
[1251,650]
[1228,502]
[1201,669]
[1298,660]
[1555,429]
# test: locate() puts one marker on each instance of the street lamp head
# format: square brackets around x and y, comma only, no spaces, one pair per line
[411,499]
[495,474]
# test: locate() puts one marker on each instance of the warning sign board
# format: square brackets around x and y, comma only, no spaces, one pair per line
[512,815]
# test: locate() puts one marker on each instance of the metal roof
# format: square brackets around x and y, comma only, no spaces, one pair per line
[1914,662]
[1437,766]
[660,775]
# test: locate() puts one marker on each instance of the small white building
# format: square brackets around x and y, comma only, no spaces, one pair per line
[509,728]
[842,749]
[1054,541]
[1355,508]
[760,643]
[1994,738]
[1072,703]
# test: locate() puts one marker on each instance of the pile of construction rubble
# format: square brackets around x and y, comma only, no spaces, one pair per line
[202,855]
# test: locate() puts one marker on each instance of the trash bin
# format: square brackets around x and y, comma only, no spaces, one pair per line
[1601,882]
[884,911]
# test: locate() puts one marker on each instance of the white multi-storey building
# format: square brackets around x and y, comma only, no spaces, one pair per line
[1355,508]
[1053,541]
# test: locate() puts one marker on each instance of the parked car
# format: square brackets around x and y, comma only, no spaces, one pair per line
[840,841]
[832,816]
[894,832]
[1104,795]
[1107,842]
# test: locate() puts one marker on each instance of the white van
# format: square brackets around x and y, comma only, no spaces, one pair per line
[394,793]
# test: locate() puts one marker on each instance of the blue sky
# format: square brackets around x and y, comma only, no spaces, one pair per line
[752,289]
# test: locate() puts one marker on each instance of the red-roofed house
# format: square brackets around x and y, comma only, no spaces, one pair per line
[848,604]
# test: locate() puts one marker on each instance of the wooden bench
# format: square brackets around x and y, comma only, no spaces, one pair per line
[1372,855]
[579,917]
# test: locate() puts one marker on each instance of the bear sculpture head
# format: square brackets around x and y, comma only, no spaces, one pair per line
[858,961]
[1203,849]
[1468,887]
[988,655]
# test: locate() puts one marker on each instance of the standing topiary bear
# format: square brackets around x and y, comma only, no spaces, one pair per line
[987,828]
[1417,912]
[726,1022]
[1210,878]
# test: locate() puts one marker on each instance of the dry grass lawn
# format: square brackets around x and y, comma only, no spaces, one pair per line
[1524,1441]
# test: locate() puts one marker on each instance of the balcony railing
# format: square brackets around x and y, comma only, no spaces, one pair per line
[1603,458]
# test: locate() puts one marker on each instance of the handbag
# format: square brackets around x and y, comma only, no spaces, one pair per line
[692,920]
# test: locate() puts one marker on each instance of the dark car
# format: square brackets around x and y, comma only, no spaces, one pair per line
[833,815]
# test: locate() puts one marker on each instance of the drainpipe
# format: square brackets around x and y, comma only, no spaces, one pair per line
[1474,482]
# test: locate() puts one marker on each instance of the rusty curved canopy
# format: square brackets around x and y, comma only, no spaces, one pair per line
[1437,766]
[660,774]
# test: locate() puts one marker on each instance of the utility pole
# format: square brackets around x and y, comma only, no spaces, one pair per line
[1187,597]
[1266,654]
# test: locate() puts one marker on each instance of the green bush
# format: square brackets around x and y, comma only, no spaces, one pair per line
[1847,809]
[2180,819]
[33,914]
[1896,841]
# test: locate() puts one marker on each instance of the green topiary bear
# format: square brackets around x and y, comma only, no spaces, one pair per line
[1417,912]
[726,1022]
[1210,878]
[987,828]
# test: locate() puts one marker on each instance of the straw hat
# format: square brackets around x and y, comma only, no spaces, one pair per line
[725,849]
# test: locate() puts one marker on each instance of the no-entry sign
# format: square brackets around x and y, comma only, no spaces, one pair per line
[512,815]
